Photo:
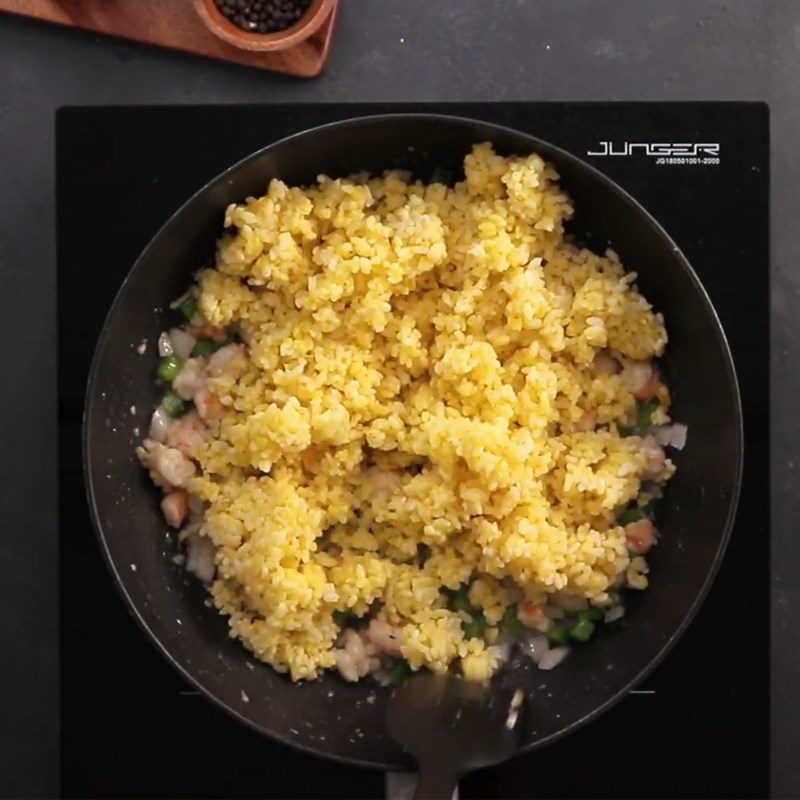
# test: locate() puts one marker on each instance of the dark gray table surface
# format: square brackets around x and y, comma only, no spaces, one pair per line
[416,50]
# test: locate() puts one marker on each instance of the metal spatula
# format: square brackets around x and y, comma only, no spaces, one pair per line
[452,726]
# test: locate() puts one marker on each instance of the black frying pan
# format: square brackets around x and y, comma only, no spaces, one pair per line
[329,717]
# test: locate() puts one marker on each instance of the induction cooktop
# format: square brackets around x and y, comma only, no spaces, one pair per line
[698,727]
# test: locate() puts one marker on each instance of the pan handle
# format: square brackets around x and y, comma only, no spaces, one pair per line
[402,785]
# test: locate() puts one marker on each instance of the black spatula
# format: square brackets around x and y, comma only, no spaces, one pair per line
[452,726]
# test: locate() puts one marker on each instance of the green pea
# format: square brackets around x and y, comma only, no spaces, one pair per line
[459,601]
[188,307]
[591,613]
[175,406]
[633,513]
[644,412]
[510,624]
[169,367]
[557,635]
[475,628]
[581,630]
[204,348]
[616,598]
[399,672]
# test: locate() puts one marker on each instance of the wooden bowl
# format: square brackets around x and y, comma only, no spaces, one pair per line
[306,26]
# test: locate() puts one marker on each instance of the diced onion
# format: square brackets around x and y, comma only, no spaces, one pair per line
[501,650]
[179,300]
[552,658]
[653,492]
[200,553]
[191,527]
[165,345]
[638,374]
[159,425]
[182,343]
[673,435]
[613,614]
[535,647]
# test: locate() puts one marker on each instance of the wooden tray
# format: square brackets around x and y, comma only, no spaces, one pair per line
[176,24]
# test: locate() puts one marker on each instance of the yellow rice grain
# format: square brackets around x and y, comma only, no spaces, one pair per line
[418,360]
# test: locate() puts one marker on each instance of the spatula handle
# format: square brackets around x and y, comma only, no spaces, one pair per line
[401,785]
[436,781]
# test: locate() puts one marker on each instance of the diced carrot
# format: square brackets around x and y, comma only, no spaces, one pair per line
[207,404]
[175,506]
[532,615]
[207,332]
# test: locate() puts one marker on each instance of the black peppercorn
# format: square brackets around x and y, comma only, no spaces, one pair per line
[263,16]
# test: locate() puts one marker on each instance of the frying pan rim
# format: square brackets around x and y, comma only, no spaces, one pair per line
[536,143]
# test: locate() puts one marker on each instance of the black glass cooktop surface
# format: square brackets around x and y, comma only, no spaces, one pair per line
[698,727]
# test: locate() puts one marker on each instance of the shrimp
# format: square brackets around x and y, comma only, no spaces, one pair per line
[207,404]
[226,361]
[640,536]
[357,657]
[655,458]
[346,665]
[642,376]
[532,615]
[168,467]
[187,433]
[386,638]
[175,505]
[191,379]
